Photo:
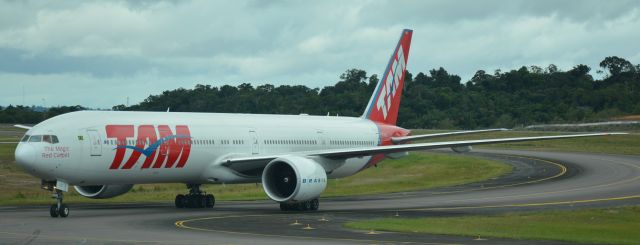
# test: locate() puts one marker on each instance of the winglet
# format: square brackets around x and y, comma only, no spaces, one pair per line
[22,126]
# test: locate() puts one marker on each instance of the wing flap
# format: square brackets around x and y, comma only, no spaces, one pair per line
[260,159]
[400,140]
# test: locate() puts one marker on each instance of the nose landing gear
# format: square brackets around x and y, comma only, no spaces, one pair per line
[57,187]
[195,199]
[58,209]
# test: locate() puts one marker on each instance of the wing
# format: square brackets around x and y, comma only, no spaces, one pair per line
[22,126]
[251,162]
[347,153]
[400,140]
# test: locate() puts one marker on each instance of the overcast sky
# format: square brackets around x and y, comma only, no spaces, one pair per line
[99,53]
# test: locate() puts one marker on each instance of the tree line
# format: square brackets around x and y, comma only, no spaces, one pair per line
[433,99]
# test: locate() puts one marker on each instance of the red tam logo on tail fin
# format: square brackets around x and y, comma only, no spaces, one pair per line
[385,102]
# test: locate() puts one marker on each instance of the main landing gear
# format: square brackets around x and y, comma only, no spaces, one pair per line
[195,198]
[58,209]
[311,205]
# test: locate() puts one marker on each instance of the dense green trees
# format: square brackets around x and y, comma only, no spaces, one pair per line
[30,115]
[435,99]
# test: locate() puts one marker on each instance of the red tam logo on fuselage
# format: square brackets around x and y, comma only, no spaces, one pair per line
[167,146]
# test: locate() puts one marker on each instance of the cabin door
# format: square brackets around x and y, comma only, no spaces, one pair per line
[255,148]
[95,142]
[322,140]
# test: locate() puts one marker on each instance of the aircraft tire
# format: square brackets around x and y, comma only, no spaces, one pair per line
[201,201]
[191,202]
[53,211]
[315,204]
[304,206]
[211,201]
[63,211]
[180,201]
[287,206]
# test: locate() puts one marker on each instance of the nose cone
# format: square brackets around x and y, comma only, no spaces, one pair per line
[25,156]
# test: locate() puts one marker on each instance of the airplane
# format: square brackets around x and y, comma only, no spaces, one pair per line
[102,154]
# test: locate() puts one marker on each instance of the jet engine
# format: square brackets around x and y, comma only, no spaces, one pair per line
[102,191]
[293,179]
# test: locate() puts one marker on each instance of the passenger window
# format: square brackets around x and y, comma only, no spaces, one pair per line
[25,138]
[35,138]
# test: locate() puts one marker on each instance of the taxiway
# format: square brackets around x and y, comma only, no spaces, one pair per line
[540,181]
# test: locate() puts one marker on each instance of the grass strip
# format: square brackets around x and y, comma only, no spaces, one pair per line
[610,225]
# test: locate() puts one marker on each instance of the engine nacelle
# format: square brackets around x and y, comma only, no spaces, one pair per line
[102,191]
[461,149]
[293,179]
[397,155]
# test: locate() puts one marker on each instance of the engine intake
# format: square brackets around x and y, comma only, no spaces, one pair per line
[102,191]
[293,179]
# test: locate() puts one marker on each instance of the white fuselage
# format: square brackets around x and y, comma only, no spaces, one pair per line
[86,154]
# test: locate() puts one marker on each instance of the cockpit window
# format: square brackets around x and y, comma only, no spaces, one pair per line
[35,138]
[51,139]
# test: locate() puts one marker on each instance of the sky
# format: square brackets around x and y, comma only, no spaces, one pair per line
[102,53]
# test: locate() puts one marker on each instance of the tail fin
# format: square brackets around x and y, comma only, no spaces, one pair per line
[385,102]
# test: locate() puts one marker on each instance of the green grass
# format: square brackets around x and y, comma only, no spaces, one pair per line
[617,144]
[611,226]
[417,171]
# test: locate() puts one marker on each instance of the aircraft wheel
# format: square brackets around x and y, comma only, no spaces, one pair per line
[190,201]
[288,206]
[180,202]
[63,211]
[202,201]
[211,201]
[304,206]
[315,204]
[53,211]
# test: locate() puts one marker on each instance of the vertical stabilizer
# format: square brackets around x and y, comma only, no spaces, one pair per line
[385,102]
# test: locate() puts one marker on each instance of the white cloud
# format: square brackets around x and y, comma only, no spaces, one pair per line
[137,48]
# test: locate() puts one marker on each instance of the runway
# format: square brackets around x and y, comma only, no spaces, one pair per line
[540,181]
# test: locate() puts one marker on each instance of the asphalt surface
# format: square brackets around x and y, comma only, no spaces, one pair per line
[540,181]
